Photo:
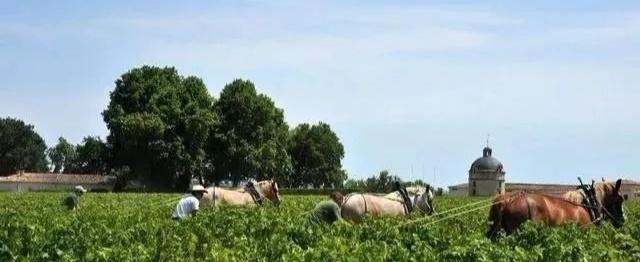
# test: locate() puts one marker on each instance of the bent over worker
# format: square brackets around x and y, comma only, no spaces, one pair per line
[327,211]
[189,204]
[72,200]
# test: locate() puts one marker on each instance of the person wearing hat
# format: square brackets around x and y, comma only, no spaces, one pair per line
[72,200]
[189,204]
[327,211]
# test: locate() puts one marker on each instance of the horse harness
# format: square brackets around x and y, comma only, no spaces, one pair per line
[590,202]
[406,201]
[255,195]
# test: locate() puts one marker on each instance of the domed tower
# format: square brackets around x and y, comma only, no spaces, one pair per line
[486,175]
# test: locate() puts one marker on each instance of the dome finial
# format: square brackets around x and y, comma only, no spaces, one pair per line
[488,136]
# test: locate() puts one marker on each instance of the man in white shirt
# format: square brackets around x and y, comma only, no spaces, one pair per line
[189,204]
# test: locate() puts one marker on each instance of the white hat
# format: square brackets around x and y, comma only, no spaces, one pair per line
[198,188]
[80,189]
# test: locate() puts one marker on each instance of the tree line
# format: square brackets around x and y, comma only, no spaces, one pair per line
[165,129]
[383,182]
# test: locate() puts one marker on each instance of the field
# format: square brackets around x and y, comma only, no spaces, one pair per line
[137,227]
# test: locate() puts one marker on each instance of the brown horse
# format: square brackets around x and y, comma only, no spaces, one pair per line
[511,210]
[253,193]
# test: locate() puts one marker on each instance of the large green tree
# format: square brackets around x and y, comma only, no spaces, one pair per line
[63,156]
[159,122]
[91,157]
[316,155]
[249,141]
[21,148]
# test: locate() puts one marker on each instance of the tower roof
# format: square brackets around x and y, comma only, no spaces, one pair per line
[487,162]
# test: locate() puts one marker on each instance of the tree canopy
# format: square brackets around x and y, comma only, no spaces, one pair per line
[316,154]
[159,122]
[21,148]
[91,157]
[63,156]
[165,130]
[249,140]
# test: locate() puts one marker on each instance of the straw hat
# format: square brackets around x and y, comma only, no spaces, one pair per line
[80,189]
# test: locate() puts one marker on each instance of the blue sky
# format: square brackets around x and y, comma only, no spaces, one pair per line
[408,86]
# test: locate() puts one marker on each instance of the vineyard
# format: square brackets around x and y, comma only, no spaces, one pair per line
[137,227]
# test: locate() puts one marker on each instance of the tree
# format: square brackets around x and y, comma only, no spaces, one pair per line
[21,148]
[159,123]
[355,184]
[91,157]
[316,155]
[384,182]
[63,156]
[249,140]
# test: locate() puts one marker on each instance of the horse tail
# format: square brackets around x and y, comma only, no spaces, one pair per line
[495,216]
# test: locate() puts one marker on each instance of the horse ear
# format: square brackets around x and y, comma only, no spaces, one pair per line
[618,184]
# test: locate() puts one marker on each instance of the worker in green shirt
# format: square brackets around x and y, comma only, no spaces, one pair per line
[72,199]
[327,211]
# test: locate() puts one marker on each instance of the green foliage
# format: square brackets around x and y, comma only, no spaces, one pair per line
[249,141]
[383,183]
[91,156]
[138,227]
[159,123]
[21,148]
[63,156]
[316,155]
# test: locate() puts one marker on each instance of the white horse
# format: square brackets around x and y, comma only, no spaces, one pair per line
[252,194]
[356,205]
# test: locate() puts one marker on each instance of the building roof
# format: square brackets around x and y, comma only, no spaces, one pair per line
[630,182]
[486,162]
[459,186]
[53,178]
[543,187]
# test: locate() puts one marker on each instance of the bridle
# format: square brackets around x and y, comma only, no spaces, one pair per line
[595,207]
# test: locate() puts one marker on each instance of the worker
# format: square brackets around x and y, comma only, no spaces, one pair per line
[190,203]
[72,200]
[327,211]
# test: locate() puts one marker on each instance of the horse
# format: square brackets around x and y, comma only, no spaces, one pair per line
[356,205]
[511,210]
[253,193]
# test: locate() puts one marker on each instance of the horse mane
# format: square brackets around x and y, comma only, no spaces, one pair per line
[603,189]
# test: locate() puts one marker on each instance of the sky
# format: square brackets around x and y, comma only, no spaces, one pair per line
[408,86]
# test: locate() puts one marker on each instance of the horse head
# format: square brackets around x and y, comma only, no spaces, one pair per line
[424,199]
[270,190]
[610,200]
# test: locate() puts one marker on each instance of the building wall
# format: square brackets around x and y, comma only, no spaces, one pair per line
[630,191]
[459,191]
[30,186]
[485,187]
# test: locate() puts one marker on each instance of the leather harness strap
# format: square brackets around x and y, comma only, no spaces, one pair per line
[257,198]
[590,202]
[365,203]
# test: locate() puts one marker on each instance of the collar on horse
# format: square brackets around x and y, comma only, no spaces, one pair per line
[255,195]
[408,206]
[590,202]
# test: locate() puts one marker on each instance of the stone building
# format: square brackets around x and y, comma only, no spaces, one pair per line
[23,182]
[487,178]
[486,175]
